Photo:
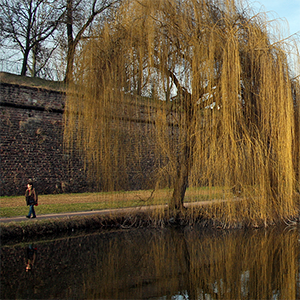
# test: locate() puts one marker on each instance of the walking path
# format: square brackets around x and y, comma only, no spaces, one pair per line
[81,213]
[103,212]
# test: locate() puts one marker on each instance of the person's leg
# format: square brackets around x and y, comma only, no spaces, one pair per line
[30,212]
[33,211]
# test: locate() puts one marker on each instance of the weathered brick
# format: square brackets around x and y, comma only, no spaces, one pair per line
[31,145]
[31,142]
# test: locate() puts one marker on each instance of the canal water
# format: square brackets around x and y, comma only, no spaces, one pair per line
[178,264]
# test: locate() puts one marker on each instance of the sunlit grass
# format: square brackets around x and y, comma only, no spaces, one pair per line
[141,195]
[48,204]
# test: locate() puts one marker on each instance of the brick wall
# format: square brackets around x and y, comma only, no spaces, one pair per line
[31,142]
[31,145]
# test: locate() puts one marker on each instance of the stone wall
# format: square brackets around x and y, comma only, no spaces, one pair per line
[31,141]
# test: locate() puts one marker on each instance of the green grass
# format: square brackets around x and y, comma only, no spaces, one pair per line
[13,206]
[61,208]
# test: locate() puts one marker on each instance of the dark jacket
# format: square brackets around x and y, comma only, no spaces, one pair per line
[31,197]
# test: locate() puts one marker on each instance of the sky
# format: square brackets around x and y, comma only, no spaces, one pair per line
[285,9]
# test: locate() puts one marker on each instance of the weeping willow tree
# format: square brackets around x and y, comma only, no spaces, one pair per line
[195,91]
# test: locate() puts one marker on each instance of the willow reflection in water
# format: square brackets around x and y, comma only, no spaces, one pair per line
[144,264]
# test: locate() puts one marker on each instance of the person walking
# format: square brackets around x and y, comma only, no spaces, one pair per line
[31,199]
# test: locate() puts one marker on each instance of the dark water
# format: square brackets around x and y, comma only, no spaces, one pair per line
[156,264]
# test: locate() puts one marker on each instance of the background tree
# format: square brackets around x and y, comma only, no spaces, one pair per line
[27,25]
[80,14]
[221,108]
[36,29]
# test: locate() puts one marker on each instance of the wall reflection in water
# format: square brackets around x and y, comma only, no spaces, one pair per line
[143,264]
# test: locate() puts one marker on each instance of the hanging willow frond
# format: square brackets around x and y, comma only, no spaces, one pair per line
[189,94]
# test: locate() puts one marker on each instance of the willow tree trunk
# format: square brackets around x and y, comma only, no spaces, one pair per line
[181,183]
[185,163]
[185,160]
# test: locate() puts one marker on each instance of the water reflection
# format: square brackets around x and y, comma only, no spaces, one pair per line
[30,257]
[157,264]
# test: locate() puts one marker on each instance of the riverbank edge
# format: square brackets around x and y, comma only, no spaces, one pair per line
[121,219]
[46,227]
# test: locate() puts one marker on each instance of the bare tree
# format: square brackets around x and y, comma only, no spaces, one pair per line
[26,25]
[80,14]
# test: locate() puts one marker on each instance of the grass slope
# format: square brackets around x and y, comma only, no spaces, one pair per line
[31,81]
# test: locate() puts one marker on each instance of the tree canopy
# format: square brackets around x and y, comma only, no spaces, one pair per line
[25,25]
[216,96]
[44,34]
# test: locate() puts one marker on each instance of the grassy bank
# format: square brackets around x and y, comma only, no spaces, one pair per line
[152,218]
[60,203]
